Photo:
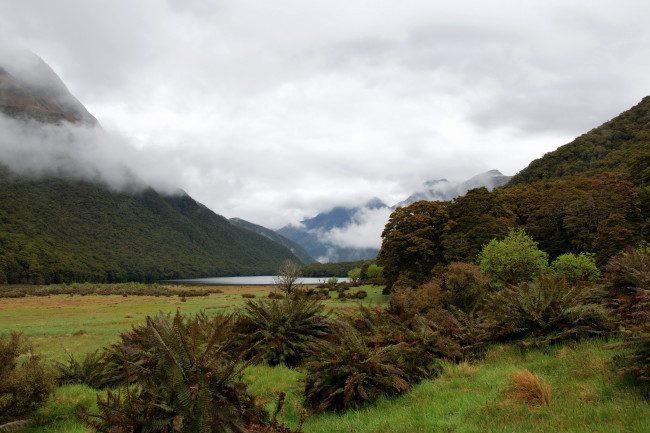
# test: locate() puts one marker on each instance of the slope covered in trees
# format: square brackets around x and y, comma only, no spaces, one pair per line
[621,145]
[56,230]
[591,195]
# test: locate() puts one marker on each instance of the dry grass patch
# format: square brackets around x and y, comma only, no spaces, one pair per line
[529,388]
[462,369]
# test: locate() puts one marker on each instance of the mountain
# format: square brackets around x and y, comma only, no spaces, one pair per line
[321,235]
[353,233]
[295,248]
[29,88]
[442,189]
[64,228]
[621,145]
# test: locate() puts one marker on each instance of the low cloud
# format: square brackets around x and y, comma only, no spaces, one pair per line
[78,152]
[363,232]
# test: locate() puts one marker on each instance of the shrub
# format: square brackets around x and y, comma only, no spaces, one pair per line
[24,386]
[248,295]
[629,270]
[547,310]
[576,268]
[425,300]
[93,370]
[345,372]
[185,379]
[513,260]
[470,330]
[465,285]
[636,364]
[283,331]
[529,388]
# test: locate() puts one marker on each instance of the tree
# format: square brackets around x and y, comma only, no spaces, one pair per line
[514,259]
[411,241]
[288,277]
[575,268]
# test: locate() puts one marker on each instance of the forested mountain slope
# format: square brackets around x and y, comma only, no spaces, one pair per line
[60,221]
[620,145]
[59,230]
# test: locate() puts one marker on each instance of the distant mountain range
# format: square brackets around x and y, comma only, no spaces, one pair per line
[61,229]
[294,247]
[323,236]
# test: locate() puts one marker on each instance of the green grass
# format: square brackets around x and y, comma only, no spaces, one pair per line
[470,397]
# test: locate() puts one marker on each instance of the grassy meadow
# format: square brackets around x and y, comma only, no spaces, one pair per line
[581,391]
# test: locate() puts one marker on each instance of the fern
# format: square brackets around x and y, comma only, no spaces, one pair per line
[283,330]
[184,374]
[546,311]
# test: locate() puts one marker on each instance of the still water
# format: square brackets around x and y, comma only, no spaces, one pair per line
[260,280]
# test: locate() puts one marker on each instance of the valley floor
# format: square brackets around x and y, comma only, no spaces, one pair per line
[586,395]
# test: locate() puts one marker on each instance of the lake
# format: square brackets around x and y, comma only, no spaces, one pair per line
[259,280]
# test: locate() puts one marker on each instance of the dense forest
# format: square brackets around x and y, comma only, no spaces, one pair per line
[589,196]
[56,230]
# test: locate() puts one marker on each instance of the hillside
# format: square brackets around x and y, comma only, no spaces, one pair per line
[29,88]
[620,145]
[62,221]
[296,249]
[57,230]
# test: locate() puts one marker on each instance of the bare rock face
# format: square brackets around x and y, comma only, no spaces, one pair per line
[29,88]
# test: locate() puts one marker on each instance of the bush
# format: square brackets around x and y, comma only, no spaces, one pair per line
[513,260]
[465,285]
[636,364]
[547,310]
[425,300]
[576,268]
[24,386]
[345,372]
[283,331]
[93,370]
[630,270]
[185,379]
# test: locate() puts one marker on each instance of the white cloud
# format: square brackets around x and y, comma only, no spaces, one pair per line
[364,232]
[275,111]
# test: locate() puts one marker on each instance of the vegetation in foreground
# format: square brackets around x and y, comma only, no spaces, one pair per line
[184,373]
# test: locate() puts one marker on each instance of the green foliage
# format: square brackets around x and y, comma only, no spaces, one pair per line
[600,214]
[57,230]
[619,145]
[332,281]
[93,370]
[514,259]
[325,270]
[411,241]
[185,379]
[345,372]
[283,331]
[25,384]
[465,285]
[635,364]
[547,310]
[576,268]
[630,270]
[355,276]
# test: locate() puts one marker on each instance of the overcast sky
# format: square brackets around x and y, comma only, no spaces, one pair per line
[273,111]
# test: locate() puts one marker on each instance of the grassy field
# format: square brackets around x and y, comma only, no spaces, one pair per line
[81,324]
[585,394]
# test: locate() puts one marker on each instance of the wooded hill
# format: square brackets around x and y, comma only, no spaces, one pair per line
[591,195]
[56,230]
